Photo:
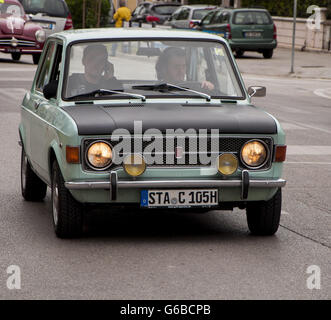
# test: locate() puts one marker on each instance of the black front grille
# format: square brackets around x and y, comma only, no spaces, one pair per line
[182,151]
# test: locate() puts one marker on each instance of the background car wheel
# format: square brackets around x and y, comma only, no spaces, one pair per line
[36,58]
[16,56]
[33,189]
[267,54]
[263,217]
[67,212]
[239,53]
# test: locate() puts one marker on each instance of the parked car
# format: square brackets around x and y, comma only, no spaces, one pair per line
[154,12]
[52,15]
[172,128]
[18,35]
[245,29]
[186,17]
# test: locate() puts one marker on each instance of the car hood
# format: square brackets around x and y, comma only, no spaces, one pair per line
[12,25]
[228,118]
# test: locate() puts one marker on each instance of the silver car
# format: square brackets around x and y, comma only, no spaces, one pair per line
[52,15]
[186,17]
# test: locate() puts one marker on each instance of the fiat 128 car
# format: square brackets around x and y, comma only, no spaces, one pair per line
[167,123]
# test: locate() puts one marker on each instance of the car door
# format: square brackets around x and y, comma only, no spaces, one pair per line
[183,19]
[42,122]
[204,24]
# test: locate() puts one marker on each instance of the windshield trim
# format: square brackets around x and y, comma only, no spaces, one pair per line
[231,60]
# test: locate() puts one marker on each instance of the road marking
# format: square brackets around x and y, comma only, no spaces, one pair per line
[306,125]
[17,70]
[324,93]
[291,126]
[18,79]
[308,163]
[308,150]
[284,212]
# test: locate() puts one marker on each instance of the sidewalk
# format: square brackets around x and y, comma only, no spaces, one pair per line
[306,64]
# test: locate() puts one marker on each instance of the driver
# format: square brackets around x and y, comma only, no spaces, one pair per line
[98,72]
[171,67]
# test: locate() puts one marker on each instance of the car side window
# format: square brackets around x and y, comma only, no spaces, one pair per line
[175,15]
[217,18]
[225,17]
[207,19]
[44,74]
[184,14]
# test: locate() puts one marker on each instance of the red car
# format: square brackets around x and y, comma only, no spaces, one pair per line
[18,35]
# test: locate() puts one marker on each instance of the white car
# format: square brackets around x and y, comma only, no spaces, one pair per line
[52,15]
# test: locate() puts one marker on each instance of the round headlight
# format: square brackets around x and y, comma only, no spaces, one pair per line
[254,153]
[99,155]
[227,163]
[40,36]
[134,165]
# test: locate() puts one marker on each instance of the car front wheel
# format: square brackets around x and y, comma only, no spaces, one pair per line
[67,212]
[263,216]
[16,56]
[36,57]
[32,187]
[239,53]
[267,54]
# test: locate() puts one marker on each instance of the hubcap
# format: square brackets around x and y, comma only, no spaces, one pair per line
[55,202]
[23,171]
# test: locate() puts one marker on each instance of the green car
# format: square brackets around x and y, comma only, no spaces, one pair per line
[245,29]
[165,123]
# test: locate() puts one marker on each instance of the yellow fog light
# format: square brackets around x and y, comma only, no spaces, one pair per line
[254,153]
[99,155]
[227,163]
[134,165]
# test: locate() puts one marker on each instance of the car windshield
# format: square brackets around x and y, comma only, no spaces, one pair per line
[10,9]
[200,13]
[139,67]
[54,8]
[252,17]
[165,10]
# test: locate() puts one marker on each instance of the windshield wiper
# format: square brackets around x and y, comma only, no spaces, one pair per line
[106,92]
[166,87]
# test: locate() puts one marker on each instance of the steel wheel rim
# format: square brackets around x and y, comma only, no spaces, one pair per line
[55,202]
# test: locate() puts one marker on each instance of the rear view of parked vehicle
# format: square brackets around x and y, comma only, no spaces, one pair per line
[186,17]
[245,29]
[154,12]
[52,15]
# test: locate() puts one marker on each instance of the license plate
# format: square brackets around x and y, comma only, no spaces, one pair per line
[13,50]
[181,198]
[48,26]
[252,34]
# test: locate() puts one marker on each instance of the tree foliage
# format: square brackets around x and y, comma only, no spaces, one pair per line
[283,8]
[91,16]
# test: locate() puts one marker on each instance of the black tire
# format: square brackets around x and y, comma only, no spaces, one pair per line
[36,57]
[32,187]
[267,54]
[16,56]
[263,217]
[239,53]
[66,211]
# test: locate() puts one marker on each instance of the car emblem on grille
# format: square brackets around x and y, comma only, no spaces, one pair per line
[179,152]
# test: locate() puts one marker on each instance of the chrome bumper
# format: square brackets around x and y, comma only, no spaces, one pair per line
[113,184]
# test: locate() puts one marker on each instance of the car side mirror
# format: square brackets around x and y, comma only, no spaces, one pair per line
[50,89]
[257,91]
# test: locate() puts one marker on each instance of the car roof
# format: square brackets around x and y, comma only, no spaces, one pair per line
[12,2]
[124,33]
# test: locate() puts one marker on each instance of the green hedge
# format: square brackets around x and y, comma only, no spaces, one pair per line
[279,7]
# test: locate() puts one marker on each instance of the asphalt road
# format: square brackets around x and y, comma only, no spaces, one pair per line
[132,255]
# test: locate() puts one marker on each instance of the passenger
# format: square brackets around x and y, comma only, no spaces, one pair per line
[171,67]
